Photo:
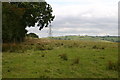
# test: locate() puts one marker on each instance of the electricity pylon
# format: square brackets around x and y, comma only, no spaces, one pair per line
[50,31]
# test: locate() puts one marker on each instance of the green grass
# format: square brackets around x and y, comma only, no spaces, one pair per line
[83,59]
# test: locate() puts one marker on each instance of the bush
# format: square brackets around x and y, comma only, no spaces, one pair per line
[33,35]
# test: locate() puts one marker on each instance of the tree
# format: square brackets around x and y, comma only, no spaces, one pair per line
[33,35]
[17,15]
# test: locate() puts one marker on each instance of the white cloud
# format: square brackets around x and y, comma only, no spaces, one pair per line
[93,17]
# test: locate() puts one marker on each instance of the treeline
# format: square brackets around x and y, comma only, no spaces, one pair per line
[92,38]
[16,16]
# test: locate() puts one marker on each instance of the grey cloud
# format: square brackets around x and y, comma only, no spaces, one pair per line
[87,25]
[106,23]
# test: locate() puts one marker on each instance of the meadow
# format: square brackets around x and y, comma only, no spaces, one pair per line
[49,58]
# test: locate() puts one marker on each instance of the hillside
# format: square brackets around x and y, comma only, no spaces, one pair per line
[46,58]
[89,38]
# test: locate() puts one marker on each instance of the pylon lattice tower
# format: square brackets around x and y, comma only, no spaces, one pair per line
[50,30]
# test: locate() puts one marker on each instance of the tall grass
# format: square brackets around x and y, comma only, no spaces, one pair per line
[46,44]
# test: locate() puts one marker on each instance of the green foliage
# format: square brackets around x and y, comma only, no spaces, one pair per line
[16,16]
[33,35]
[12,26]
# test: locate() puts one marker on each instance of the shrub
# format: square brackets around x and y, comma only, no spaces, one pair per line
[33,35]
[63,56]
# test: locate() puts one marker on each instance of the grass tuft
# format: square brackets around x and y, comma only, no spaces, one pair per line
[76,61]
[112,66]
[63,56]
[43,55]
[95,47]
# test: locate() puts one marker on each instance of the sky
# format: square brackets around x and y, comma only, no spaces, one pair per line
[82,17]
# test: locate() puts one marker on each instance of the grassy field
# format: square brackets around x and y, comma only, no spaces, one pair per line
[46,58]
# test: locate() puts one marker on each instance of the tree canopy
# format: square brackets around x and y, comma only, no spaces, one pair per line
[33,35]
[16,16]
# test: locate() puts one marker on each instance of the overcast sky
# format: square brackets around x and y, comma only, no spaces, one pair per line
[82,17]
